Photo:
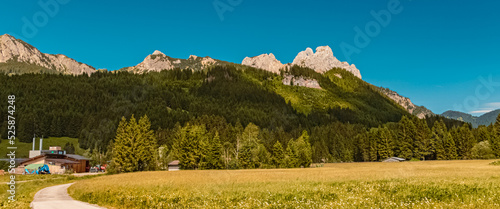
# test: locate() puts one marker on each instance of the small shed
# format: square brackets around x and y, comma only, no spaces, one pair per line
[394,159]
[173,166]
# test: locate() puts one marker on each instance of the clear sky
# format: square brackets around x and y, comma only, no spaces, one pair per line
[434,52]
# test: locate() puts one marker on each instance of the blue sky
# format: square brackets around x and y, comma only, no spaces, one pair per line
[441,54]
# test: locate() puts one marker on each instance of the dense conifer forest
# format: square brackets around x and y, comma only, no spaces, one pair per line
[232,116]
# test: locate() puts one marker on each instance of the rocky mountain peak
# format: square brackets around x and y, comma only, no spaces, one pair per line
[15,50]
[265,61]
[323,60]
[155,62]
[156,52]
[159,61]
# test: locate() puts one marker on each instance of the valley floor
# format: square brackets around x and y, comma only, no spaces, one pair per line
[441,184]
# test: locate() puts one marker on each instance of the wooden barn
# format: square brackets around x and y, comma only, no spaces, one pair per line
[394,159]
[173,166]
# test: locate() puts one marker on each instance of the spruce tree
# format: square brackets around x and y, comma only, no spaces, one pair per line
[123,149]
[385,144]
[450,147]
[187,146]
[423,142]
[291,158]
[495,138]
[438,138]
[465,141]
[213,153]
[145,145]
[278,158]
[303,150]
[406,136]
[373,138]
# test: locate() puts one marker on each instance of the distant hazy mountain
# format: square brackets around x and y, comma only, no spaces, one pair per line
[17,57]
[485,119]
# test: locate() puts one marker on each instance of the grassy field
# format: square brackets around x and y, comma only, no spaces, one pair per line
[24,148]
[439,184]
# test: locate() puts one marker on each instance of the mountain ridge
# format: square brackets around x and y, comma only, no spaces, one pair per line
[18,57]
[15,51]
[484,119]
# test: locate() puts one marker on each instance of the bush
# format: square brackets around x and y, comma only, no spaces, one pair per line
[495,163]
[482,150]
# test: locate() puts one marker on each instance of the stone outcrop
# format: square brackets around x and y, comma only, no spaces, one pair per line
[265,61]
[290,80]
[15,50]
[323,60]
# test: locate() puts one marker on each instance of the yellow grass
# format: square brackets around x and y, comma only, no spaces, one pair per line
[440,184]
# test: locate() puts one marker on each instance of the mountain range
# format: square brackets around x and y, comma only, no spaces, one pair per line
[485,119]
[18,57]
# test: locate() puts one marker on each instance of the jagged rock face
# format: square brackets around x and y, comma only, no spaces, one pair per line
[265,61]
[290,80]
[419,111]
[159,61]
[12,49]
[323,60]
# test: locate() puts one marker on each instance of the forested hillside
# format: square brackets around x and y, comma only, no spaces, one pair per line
[226,102]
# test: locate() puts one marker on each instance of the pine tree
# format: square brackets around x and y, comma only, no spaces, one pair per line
[373,139]
[303,150]
[438,137]
[187,146]
[123,149]
[423,144]
[145,145]
[450,147]
[385,144]
[291,158]
[465,141]
[134,146]
[278,157]
[495,138]
[406,136]
[213,156]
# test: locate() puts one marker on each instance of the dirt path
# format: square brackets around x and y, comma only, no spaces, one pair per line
[57,197]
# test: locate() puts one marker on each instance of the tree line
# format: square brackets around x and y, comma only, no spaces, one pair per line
[413,138]
[209,142]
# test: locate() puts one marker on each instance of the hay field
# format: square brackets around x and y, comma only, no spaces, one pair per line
[437,184]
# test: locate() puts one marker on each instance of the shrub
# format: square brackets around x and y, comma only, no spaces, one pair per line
[482,150]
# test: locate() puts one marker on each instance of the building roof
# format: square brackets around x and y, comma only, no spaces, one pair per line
[62,161]
[394,159]
[33,158]
[77,157]
[47,156]
[174,163]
